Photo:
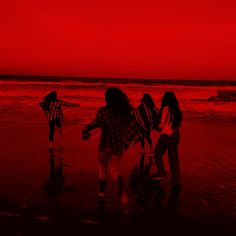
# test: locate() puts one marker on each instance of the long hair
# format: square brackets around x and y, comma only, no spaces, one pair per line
[52,96]
[169,99]
[118,102]
[147,99]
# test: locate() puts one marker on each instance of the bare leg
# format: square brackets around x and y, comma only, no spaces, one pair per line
[142,142]
[115,173]
[103,158]
[51,132]
[159,152]
[149,140]
[60,131]
[174,164]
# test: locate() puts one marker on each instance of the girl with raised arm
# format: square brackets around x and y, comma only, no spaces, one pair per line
[52,108]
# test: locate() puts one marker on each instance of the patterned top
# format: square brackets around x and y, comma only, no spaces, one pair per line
[146,117]
[55,109]
[116,134]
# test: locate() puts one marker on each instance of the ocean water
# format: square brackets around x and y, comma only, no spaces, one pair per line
[204,99]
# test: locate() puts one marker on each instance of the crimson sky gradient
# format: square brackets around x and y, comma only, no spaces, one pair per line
[119,38]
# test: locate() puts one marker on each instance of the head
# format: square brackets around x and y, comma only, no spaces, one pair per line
[52,96]
[117,101]
[169,99]
[147,99]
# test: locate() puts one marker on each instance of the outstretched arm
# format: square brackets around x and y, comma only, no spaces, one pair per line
[70,104]
[96,123]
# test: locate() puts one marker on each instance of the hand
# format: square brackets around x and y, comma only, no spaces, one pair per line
[135,141]
[85,134]
[158,129]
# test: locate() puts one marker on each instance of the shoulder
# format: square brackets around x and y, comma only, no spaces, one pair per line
[165,111]
[141,105]
[56,102]
[140,108]
[132,111]
[102,111]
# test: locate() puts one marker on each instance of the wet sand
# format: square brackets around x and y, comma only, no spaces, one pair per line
[44,192]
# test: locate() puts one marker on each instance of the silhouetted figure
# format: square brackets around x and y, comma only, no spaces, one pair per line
[52,107]
[170,122]
[118,129]
[147,117]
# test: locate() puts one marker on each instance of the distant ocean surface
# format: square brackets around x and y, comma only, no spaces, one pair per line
[202,99]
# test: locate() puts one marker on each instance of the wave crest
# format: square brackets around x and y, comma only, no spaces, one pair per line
[224,96]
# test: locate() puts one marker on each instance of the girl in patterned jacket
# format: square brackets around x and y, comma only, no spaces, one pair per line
[52,108]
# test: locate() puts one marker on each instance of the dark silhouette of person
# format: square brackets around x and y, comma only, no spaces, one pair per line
[118,129]
[147,117]
[170,122]
[52,108]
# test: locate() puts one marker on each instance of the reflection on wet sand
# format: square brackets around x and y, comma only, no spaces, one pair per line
[55,182]
[152,195]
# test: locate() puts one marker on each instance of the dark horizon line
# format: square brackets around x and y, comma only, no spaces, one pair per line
[55,78]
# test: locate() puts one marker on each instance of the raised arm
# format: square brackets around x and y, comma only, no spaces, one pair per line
[97,122]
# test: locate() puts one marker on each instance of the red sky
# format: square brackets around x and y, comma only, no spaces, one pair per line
[181,39]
